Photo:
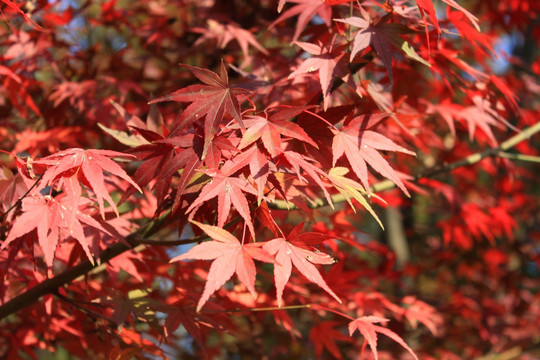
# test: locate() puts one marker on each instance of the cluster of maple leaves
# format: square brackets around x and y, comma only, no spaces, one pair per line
[272,141]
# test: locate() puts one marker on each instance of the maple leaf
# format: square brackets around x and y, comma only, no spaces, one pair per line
[331,64]
[473,19]
[172,153]
[153,124]
[298,250]
[12,188]
[230,256]
[366,326]
[210,101]
[306,10]
[472,36]
[480,115]
[381,36]
[298,161]
[161,161]
[324,336]
[270,129]
[77,93]
[17,92]
[50,141]
[418,311]
[224,33]
[350,189]
[229,190]
[360,147]
[426,8]
[54,219]
[262,170]
[136,303]
[88,165]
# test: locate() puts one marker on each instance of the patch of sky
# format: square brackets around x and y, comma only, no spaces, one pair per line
[504,47]
[80,34]
[187,233]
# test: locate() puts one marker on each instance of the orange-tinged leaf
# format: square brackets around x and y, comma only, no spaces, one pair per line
[288,254]
[230,256]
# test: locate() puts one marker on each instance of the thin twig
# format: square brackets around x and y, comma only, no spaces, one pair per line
[19,201]
[427,173]
[50,285]
[93,314]
[271,308]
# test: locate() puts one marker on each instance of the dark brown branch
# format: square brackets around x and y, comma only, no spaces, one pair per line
[134,240]
[49,286]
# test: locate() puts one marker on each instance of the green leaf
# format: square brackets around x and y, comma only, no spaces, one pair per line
[123,137]
[410,52]
[350,189]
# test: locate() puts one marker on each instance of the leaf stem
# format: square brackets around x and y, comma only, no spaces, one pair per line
[271,308]
[430,172]
[49,286]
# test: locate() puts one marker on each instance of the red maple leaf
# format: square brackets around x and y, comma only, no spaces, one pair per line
[12,188]
[224,33]
[162,156]
[299,162]
[87,166]
[269,129]
[210,101]
[473,19]
[381,36]
[306,10]
[54,219]
[330,62]
[426,8]
[324,336]
[161,161]
[418,311]
[360,147]
[366,326]
[298,250]
[229,190]
[230,256]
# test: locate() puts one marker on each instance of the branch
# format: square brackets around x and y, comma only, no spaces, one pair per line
[431,172]
[136,241]
[93,314]
[50,286]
